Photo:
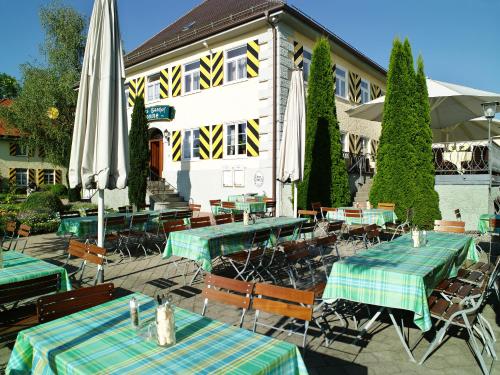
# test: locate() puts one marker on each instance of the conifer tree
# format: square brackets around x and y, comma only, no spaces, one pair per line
[139,154]
[325,174]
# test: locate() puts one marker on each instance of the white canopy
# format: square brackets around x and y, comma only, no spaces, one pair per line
[450,104]
[471,130]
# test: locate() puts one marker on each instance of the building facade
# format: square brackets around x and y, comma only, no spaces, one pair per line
[216,83]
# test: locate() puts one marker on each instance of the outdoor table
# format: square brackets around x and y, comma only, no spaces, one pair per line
[101,340]
[87,225]
[20,267]
[396,275]
[483,225]
[370,216]
[244,197]
[202,245]
[251,207]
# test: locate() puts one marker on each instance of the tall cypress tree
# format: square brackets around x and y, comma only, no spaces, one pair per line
[325,174]
[139,154]
[426,198]
[395,180]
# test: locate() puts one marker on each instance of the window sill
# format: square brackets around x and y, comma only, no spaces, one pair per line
[229,83]
[191,92]
[154,101]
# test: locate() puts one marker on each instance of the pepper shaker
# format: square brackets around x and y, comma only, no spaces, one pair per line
[134,313]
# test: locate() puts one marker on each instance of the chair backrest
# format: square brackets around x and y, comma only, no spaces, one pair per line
[68,214]
[324,211]
[270,203]
[353,213]
[26,289]
[173,226]
[215,202]
[199,222]
[261,238]
[386,206]
[307,227]
[24,230]
[334,226]
[90,253]
[10,226]
[372,231]
[316,206]
[311,214]
[229,204]
[267,199]
[195,207]
[139,219]
[114,222]
[449,226]
[326,240]
[283,301]
[170,215]
[123,209]
[184,214]
[228,291]
[296,250]
[237,217]
[286,231]
[494,225]
[223,219]
[458,214]
[91,212]
[61,304]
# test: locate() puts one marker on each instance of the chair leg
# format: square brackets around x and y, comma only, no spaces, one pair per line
[435,343]
[475,347]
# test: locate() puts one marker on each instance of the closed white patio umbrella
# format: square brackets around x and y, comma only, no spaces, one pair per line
[292,149]
[99,151]
[450,104]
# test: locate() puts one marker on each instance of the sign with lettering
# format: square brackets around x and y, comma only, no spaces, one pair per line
[160,113]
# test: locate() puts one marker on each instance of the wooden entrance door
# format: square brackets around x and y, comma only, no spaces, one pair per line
[156,158]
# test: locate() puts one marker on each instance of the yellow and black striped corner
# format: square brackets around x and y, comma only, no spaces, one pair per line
[12,175]
[31,175]
[58,176]
[31,152]
[164,83]
[12,148]
[375,91]
[205,72]
[354,87]
[298,54]
[132,92]
[40,176]
[140,87]
[176,145]
[253,138]
[41,152]
[354,144]
[253,58]
[204,142]
[217,142]
[176,80]
[217,68]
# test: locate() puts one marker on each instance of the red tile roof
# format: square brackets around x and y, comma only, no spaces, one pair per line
[6,131]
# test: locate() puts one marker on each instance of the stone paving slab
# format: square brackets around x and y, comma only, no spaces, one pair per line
[379,353]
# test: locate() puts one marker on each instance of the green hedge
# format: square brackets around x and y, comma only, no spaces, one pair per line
[58,189]
[44,201]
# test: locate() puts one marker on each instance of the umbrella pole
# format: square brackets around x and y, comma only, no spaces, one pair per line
[100,230]
[295,197]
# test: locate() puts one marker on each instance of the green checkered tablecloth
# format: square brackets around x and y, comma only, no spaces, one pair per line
[394,274]
[370,216]
[243,197]
[204,244]
[87,225]
[483,225]
[20,267]
[252,207]
[100,340]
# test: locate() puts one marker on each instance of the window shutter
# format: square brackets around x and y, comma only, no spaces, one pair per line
[58,176]
[217,68]
[31,176]
[140,87]
[354,87]
[132,90]
[217,142]
[373,148]
[176,145]
[204,142]
[354,144]
[40,176]
[176,80]
[298,54]
[376,92]
[253,137]
[31,152]
[205,72]
[12,149]
[41,152]
[253,58]
[12,175]
[164,83]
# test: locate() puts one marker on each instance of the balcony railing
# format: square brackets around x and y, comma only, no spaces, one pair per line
[465,158]
[362,164]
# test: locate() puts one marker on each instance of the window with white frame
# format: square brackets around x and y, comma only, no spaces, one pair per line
[191,144]
[236,64]
[364,145]
[365,91]
[341,82]
[306,65]
[236,139]
[21,150]
[192,76]
[48,177]
[153,87]
[127,91]
[21,177]
[343,140]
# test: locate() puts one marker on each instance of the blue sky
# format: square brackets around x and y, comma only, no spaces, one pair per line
[459,39]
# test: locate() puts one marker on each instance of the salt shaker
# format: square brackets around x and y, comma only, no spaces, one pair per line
[134,313]
[165,324]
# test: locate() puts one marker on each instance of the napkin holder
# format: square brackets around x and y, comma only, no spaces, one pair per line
[418,237]
[246,217]
[165,325]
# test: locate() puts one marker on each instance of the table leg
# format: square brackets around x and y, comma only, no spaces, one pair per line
[401,335]
[367,326]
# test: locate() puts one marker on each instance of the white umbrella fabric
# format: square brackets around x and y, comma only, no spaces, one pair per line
[471,130]
[99,151]
[450,104]
[292,149]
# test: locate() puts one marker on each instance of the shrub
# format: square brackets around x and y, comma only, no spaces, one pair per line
[40,222]
[44,201]
[74,195]
[81,206]
[58,189]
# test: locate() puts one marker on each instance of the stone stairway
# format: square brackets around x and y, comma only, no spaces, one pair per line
[163,196]
[363,193]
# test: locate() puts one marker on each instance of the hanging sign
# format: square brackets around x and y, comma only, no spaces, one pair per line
[160,113]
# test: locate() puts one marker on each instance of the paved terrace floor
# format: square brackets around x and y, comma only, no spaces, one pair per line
[380,352]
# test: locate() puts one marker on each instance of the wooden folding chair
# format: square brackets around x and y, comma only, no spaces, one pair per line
[23,234]
[386,206]
[458,214]
[156,235]
[184,214]
[284,302]
[125,209]
[229,292]
[8,234]
[88,253]
[223,219]
[449,226]
[195,208]
[214,203]
[270,207]
[199,222]
[136,232]
[237,217]
[91,212]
